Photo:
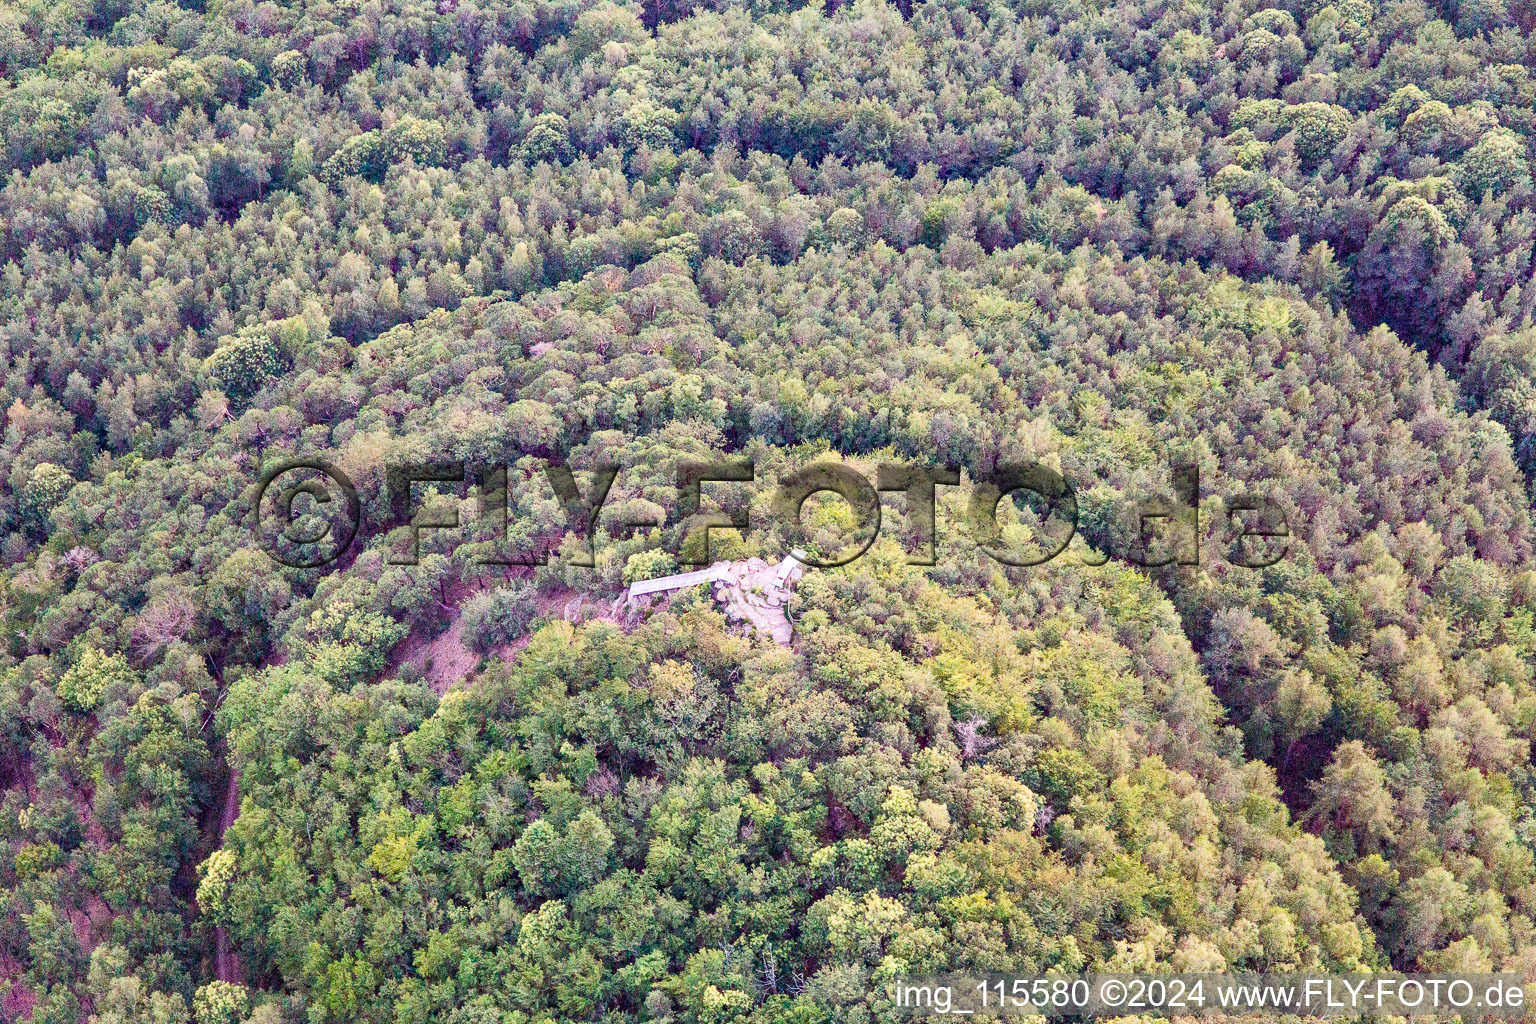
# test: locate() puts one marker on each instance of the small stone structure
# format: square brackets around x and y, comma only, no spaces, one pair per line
[751,591]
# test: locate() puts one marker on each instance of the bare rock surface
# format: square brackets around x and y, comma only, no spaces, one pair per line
[752,592]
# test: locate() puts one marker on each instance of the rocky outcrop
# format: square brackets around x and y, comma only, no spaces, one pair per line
[751,592]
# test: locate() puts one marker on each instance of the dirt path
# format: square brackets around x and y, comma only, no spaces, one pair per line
[226,966]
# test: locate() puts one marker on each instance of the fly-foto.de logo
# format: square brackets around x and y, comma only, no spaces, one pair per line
[307,513]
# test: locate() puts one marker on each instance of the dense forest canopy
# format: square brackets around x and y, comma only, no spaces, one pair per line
[1290,246]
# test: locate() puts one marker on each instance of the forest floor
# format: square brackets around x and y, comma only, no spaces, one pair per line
[16,1001]
[444,661]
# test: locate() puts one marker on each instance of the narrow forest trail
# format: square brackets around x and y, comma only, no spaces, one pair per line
[226,966]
